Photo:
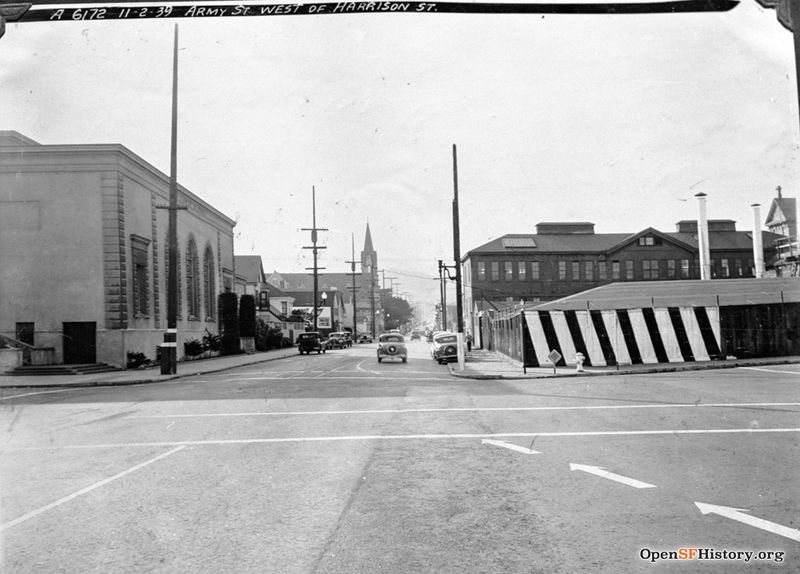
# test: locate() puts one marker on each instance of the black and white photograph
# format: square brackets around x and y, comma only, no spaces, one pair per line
[399,287]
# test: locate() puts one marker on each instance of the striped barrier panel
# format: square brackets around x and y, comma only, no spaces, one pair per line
[626,336]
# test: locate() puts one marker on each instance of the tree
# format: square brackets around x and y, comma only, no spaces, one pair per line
[247,316]
[229,315]
[398,312]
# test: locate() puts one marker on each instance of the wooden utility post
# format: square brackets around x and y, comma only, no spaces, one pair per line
[314,229]
[457,258]
[169,347]
[354,289]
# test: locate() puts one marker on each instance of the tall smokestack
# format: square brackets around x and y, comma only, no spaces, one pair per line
[702,237]
[758,246]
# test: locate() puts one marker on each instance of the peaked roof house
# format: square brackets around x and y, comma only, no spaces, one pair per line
[249,272]
[782,219]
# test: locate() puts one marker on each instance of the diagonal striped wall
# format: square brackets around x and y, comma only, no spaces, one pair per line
[626,336]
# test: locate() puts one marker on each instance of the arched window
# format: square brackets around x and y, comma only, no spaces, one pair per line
[209,282]
[192,279]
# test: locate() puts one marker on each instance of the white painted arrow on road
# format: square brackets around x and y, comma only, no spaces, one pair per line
[739,515]
[510,446]
[596,470]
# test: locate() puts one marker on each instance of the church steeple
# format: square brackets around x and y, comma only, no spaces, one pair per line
[369,257]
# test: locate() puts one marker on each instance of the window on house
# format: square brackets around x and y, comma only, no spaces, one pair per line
[615,271]
[192,279]
[535,270]
[724,268]
[522,269]
[141,289]
[284,308]
[672,267]
[602,271]
[650,269]
[629,270]
[737,267]
[210,282]
[749,271]
[508,270]
[495,271]
[685,269]
[647,240]
[562,270]
[576,270]
[481,271]
[588,270]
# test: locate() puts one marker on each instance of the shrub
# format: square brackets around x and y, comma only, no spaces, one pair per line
[247,316]
[211,342]
[267,337]
[193,347]
[229,317]
[136,360]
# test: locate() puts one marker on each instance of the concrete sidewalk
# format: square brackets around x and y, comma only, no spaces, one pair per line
[482,364]
[148,375]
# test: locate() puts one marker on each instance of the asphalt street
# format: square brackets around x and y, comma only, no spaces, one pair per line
[335,463]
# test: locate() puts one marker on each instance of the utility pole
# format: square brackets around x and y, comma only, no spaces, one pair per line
[352,263]
[443,293]
[372,300]
[169,347]
[314,229]
[457,257]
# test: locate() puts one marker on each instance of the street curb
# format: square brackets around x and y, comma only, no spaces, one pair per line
[711,365]
[161,379]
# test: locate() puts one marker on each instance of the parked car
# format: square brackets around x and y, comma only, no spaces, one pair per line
[392,346]
[339,340]
[444,347]
[311,341]
[365,339]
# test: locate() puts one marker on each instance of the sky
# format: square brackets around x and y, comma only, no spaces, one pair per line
[614,119]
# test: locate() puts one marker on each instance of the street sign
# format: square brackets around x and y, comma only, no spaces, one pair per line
[554,356]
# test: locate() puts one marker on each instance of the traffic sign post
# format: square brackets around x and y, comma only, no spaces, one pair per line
[554,357]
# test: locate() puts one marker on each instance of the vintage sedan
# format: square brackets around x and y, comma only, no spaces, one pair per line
[311,341]
[392,346]
[444,347]
[339,340]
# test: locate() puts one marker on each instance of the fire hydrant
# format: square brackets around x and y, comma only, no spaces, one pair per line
[579,359]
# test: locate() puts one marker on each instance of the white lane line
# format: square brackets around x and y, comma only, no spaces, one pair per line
[467,409]
[739,515]
[358,366]
[5,398]
[599,471]
[566,434]
[86,490]
[510,446]
[771,370]
[355,378]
